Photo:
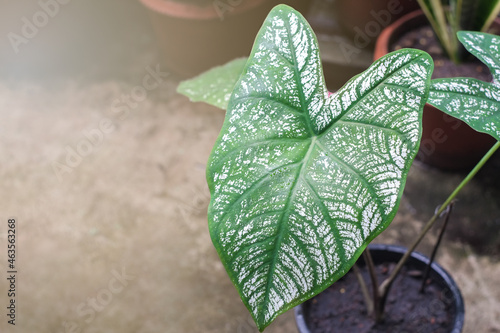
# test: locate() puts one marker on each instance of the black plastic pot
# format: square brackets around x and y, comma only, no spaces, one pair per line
[390,253]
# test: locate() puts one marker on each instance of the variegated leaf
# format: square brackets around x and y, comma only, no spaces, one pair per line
[301,182]
[485,47]
[475,102]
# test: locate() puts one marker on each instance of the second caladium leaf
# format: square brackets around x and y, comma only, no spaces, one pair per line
[475,102]
[301,181]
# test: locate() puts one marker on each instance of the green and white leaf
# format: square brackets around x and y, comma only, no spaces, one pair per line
[215,85]
[301,181]
[485,47]
[475,102]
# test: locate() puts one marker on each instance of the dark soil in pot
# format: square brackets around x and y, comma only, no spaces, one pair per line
[341,307]
[423,38]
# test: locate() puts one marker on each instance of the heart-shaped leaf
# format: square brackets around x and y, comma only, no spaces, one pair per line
[475,102]
[301,182]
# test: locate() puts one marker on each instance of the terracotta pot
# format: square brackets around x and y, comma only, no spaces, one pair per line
[447,143]
[193,38]
[365,19]
[389,253]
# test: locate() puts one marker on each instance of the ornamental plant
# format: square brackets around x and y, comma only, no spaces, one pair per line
[302,180]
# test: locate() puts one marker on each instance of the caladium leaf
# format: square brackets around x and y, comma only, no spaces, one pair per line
[215,85]
[301,181]
[484,47]
[475,102]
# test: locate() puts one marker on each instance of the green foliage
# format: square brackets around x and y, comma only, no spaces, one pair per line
[475,102]
[301,181]
[215,85]
[449,17]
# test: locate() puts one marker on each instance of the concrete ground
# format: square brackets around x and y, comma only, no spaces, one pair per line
[115,239]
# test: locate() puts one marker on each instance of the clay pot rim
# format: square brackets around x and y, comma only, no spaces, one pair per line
[416,257]
[392,31]
[388,35]
[191,11]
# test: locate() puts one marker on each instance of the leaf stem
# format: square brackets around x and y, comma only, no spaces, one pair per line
[386,285]
[364,289]
[373,278]
[437,14]
[436,246]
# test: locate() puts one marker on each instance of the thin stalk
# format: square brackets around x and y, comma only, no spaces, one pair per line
[436,246]
[455,26]
[457,15]
[386,285]
[443,31]
[364,289]
[429,13]
[494,13]
[373,277]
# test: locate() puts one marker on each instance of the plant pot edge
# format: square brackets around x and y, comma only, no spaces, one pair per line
[192,39]
[192,11]
[419,257]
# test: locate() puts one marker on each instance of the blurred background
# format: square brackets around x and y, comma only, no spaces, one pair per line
[95,38]
[98,38]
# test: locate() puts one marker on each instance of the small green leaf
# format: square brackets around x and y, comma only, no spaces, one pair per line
[475,102]
[301,181]
[214,86]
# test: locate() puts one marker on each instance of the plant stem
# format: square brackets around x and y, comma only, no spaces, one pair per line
[364,289]
[436,246]
[436,14]
[491,18]
[373,277]
[386,285]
